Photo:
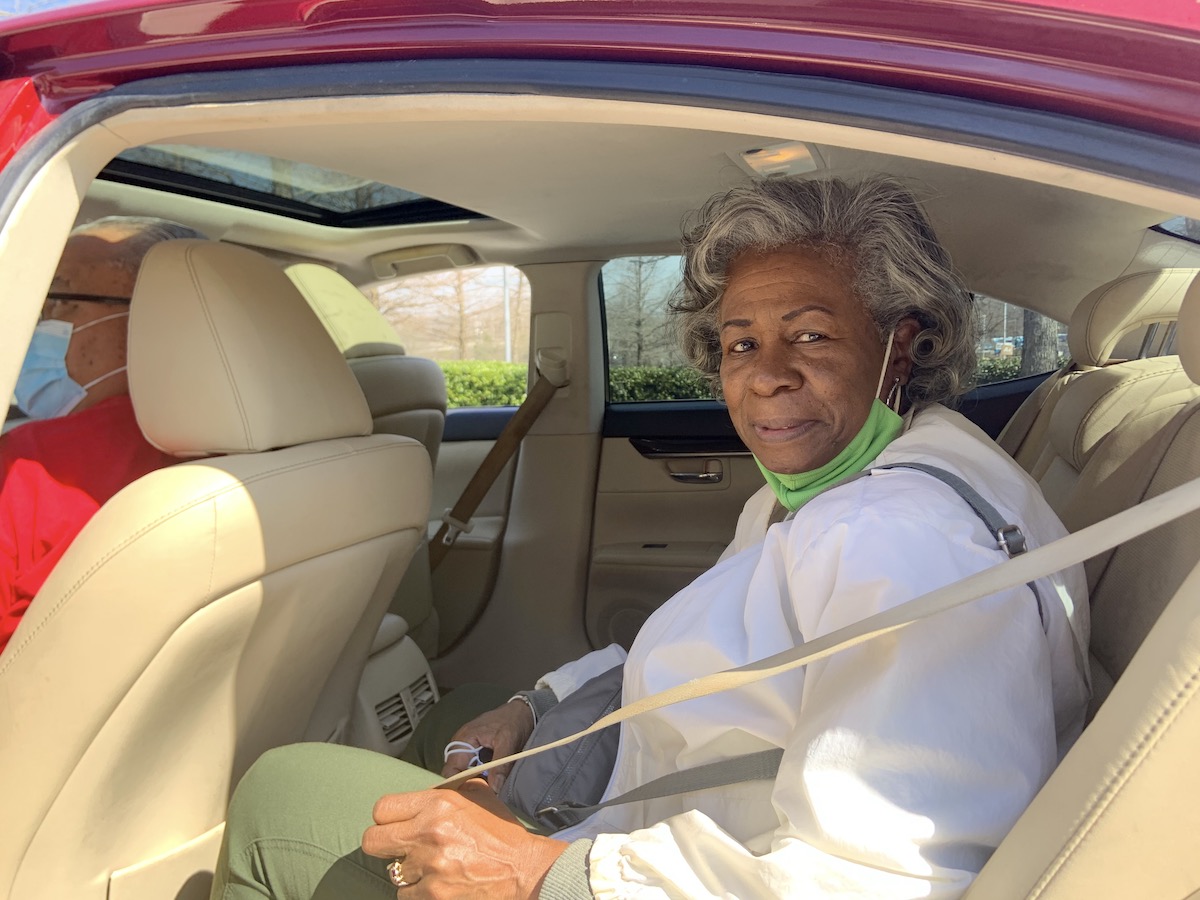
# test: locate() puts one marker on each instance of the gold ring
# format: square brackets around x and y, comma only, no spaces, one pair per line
[395,870]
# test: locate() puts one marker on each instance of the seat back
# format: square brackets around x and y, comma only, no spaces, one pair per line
[406,394]
[1091,406]
[1119,816]
[1111,312]
[213,609]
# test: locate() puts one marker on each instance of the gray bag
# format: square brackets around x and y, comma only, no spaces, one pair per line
[573,775]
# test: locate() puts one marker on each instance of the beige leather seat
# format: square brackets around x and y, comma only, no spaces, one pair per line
[1116,310]
[1089,407]
[406,394]
[213,609]
[1120,816]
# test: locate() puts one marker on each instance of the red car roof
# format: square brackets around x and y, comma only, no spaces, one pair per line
[1120,61]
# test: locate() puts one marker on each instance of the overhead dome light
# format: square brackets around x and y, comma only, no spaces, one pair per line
[773,160]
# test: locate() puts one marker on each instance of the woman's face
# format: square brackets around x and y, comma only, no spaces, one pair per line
[800,357]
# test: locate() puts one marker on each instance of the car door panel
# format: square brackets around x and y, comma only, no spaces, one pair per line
[654,532]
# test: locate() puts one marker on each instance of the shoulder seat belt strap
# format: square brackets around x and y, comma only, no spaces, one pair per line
[764,765]
[552,372]
[1018,570]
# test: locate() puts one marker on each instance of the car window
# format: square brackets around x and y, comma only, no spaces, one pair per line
[644,362]
[1016,342]
[474,322]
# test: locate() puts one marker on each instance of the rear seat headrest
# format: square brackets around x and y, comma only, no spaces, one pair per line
[1187,338]
[226,357]
[1122,305]
[355,325]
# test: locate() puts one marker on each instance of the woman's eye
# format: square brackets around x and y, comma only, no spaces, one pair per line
[741,346]
[809,337]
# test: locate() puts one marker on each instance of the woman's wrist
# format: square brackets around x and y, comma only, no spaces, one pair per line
[539,701]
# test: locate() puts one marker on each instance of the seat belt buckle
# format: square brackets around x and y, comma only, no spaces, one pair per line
[455,527]
[1011,540]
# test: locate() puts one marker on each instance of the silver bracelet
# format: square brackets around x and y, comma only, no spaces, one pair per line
[527,702]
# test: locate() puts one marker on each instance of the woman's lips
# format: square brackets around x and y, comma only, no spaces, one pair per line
[778,431]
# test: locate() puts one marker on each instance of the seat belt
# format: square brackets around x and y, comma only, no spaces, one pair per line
[1018,570]
[552,375]
[764,765]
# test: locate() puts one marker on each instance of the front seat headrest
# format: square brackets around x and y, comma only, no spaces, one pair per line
[1114,309]
[225,356]
[355,325]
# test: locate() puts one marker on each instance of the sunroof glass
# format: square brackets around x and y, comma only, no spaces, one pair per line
[285,178]
[1182,226]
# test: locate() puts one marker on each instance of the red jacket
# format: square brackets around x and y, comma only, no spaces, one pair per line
[54,475]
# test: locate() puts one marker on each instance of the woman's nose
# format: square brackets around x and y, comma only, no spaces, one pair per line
[774,370]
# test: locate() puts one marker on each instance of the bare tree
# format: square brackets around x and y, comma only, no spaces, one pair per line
[457,314]
[636,290]
[1039,352]
[990,319]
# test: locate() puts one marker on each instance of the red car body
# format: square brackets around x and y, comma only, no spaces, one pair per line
[1116,61]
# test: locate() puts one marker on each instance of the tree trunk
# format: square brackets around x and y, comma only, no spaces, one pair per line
[1040,350]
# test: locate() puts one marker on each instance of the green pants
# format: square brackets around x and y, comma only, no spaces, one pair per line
[297,818]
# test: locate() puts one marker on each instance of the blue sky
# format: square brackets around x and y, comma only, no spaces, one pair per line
[19,7]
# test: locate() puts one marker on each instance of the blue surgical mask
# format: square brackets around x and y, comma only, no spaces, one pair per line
[44,388]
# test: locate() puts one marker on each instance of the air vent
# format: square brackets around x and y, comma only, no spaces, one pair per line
[394,719]
[423,696]
[399,713]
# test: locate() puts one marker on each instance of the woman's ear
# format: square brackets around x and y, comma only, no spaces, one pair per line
[900,366]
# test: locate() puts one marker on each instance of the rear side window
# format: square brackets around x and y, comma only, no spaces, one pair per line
[473,321]
[644,362]
[1016,342]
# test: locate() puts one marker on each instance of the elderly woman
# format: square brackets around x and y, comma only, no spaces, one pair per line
[830,319]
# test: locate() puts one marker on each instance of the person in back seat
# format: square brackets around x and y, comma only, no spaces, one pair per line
[84,443]
[834,325]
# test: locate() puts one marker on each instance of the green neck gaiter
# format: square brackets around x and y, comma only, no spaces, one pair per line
[881,428]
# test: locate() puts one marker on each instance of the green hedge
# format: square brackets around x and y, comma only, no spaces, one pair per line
[1004,369]
[472,382]
[656,383]
[999,369]
[483,383]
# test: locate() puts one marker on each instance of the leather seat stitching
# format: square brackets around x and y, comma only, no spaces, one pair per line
[1077,444]
[1136,756]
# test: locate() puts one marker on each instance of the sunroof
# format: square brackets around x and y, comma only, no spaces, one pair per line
[276,185]
[1182,226]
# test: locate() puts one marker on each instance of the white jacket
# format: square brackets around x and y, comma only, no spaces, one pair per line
[905,760]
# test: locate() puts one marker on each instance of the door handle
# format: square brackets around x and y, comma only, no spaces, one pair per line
[712,472]
[697,477]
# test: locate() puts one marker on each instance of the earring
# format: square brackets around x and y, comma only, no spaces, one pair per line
[894,395]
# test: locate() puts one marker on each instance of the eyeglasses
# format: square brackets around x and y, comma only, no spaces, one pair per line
[65,297]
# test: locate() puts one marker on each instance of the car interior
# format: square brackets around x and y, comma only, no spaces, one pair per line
[274,586]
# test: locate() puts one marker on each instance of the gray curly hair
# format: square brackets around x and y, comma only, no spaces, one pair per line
[877,227]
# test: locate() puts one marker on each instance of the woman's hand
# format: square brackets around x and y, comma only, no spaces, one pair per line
[459,843]
[504,729]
